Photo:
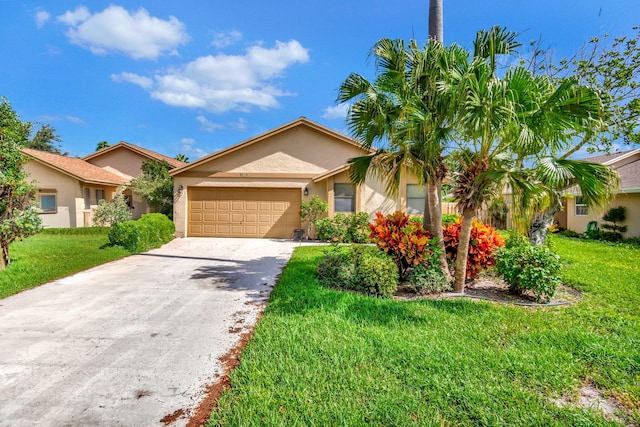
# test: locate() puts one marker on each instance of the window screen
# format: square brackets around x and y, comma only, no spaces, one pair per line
[344,200]
[415,198]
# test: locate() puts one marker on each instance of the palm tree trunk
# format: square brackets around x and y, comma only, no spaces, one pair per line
[463,250]
[433,223]
[4,256]
[540,224]
[436,25]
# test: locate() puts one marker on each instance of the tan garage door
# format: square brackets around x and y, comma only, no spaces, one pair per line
[243,212]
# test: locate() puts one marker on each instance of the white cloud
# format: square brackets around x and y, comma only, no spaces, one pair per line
[73,18]
[41,17]
[76,120]
[336,112]
[222,40]
[187,147]
[207,125]
[116,30]
[49,119]
[230,82]
[143,82]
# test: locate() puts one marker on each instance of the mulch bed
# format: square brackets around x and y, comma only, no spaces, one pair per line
[494,289]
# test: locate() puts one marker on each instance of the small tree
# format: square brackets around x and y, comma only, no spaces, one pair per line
[312,210]
[113,212]
[155,185]
[182,158]
[18,215]
[615,215]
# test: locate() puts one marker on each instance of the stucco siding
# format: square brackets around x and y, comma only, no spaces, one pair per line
[121,159]
[631,201]
[296,151]
[67,190]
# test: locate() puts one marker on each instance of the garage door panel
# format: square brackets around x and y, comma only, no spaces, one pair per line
[241,212]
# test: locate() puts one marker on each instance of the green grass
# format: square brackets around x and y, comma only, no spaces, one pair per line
[321,357]
[51,255]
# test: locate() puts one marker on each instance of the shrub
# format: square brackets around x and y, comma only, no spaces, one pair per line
[448,219]
[530,268]
[607,236]
[113,212]
[336,270]
[406,242]
[359,268]
[344,228]
[311,210]
[484,241]
[379,276]
[150,231]
[569,233]
[428,278]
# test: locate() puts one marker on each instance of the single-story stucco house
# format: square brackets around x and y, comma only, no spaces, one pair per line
[69,188]
[254,188]
[577,215]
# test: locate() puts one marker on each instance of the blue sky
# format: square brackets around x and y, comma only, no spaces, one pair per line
[193,77]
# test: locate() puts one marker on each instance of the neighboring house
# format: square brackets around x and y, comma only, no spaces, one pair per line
[69,188]
[577,215]
[254,188]
[126,159]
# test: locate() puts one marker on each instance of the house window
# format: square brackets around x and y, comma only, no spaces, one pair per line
[48,202]
[99,195]
[86,192]
[344,200]
[415,198]
[581,207]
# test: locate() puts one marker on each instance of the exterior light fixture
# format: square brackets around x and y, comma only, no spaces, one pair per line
[306,191]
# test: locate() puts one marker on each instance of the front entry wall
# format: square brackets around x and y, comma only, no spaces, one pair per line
[243,212]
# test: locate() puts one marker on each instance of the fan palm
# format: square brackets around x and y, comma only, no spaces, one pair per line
[406,111]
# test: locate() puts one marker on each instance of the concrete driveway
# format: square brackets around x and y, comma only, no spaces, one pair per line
[130,342]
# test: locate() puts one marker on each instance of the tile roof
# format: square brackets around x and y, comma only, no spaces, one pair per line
[76,168]
[143,151]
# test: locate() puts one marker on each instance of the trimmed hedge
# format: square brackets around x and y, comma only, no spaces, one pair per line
[149,232]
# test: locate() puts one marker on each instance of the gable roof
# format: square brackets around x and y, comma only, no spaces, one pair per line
[302,121]
[629,172]
[75,168]
[151,155]
[609,159]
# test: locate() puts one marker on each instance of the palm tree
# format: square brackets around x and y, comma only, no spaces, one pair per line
[436,23]
[508,123]
[405,109]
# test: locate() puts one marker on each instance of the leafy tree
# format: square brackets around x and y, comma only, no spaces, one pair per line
[18,214]
[45,139]
[311,210]
[182,158]
[113,212]
[612,67]
[155,185]
[102,145]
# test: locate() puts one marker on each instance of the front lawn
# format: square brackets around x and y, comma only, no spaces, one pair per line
[53,254]
[323,357]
